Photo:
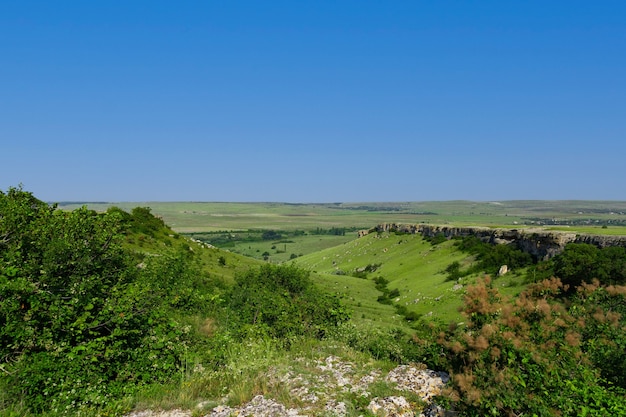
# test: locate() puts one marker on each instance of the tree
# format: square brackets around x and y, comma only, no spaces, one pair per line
[576,264]
[271,235]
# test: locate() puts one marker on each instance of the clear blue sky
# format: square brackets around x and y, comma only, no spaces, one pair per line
[313,101]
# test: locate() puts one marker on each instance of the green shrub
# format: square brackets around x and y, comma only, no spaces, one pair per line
[437,239]
[491,257]
[454,271]
[533,356]
[583,262]
[284,301]
[80,324]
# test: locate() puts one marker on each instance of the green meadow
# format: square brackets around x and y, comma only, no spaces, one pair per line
[283,250]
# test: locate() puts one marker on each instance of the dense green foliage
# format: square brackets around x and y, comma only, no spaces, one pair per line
[491,257]
[284,301]
[538,355]
[579,262]
[582,262]
[79,322]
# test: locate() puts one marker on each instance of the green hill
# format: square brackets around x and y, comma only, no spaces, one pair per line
[411,265]
[146,235]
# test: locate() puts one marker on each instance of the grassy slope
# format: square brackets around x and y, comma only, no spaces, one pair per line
[409,263]
[165,240]
[233,263]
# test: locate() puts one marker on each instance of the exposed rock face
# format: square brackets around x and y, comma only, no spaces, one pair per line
[542,244]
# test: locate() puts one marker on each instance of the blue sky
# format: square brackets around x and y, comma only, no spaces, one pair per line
[313,101]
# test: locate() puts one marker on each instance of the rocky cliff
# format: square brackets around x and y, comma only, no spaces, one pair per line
[542,244]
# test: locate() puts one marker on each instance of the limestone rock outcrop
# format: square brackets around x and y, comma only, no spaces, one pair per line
[540,243]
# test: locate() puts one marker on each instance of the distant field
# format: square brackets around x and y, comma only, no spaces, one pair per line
[195,217]
[277,250]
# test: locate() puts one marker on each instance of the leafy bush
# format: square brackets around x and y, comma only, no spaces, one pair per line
[535,355]
[381,283]
[491,257]
[387,295]
[583,262]
[271,235]
[283,301]
[436,239]
[602,310]
[80,324]
[454,271]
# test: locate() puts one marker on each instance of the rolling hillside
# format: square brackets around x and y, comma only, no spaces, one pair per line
[413,266]
[104,313]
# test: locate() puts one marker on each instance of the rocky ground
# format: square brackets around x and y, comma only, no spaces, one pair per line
[320,393]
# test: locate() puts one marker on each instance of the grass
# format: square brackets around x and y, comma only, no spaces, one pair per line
[224,264]
[593,230]
[411,265]
[360,295]
[191,217]
[260,367]
[279,250]
[216,262]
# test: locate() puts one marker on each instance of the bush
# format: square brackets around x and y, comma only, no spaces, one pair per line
[534,355]
[581,262]
[454,271]
[437,239]
[80,324]
[284,301]
[491,257]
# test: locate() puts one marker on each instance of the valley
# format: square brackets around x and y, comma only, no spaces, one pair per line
[321,310]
